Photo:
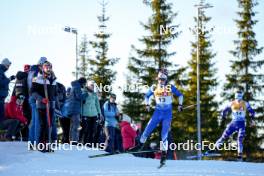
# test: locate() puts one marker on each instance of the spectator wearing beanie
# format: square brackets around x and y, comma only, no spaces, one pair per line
[74,102]
[91,113]
[128,133]
[34,126]
[21,88]
[4,85]
[111,113]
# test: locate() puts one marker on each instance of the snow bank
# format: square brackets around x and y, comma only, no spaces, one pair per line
[16,160]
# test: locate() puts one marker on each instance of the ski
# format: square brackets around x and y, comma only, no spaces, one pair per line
[235,159]
[111,154]
[206,154]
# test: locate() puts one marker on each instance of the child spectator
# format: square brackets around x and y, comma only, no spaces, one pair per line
[128,133]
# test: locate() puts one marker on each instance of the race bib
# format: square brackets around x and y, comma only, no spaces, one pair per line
[163,96]
[162,100]
[238,115]
[238,110]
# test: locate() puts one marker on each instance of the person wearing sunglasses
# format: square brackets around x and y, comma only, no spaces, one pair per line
[238,109]
[45,83]
[163,93]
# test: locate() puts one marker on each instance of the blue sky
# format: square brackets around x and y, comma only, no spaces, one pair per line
[33,28]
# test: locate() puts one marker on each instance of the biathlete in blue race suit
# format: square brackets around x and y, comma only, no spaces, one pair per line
[238,108]
[163,94]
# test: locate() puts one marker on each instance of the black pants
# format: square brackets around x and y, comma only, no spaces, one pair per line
[27,114]
[118,140]
[65,125]
[98,133]
[89,129]
[12,126]
[45,131]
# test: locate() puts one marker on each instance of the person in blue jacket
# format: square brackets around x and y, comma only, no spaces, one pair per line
[111,114]
[163,94]
[64,120]
[4,85]
[74,102]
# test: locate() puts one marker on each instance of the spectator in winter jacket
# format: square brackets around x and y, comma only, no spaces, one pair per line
[44,91]
[34,126]
[4,85]
[99,132]
[111,113]
[128,133]
[91,113]
[21,88]
[60,99]
[14,117]
[14,109]
[74,102]
[63,119]
[61,95]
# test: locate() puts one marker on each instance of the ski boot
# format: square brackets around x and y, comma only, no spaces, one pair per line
[239,157]
[163,159]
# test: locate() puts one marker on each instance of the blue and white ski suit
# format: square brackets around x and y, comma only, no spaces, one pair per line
[163,111]
[238,109]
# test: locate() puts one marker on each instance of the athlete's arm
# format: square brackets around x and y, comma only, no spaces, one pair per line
[226,110]
[176,92]
[148,95]
[250,110]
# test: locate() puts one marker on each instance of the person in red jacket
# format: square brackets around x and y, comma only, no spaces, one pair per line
[14,118]
[14,109]
[128,133]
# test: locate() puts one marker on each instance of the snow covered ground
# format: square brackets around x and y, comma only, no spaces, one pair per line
[15,160]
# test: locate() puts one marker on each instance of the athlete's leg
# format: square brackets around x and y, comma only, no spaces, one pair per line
[154,121]
[166,123]
[230,129]
[240,137]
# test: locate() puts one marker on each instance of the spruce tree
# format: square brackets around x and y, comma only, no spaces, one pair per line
[145,62]
[208,83]
[102,66]
[83,52]
[247,71]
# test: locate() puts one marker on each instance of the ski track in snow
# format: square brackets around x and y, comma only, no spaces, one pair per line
[16,160]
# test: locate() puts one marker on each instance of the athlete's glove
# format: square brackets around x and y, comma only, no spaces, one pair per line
[147,108]
[180,109]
